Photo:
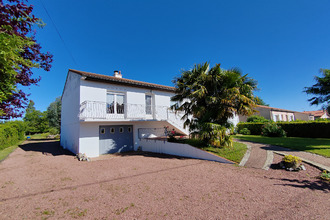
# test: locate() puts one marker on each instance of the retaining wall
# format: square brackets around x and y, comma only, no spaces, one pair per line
[183,150]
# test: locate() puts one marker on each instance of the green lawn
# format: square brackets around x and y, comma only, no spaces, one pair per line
[40,136]
[5,152]
[235,153]
[319,146]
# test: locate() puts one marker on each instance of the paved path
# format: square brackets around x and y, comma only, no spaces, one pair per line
[261,156]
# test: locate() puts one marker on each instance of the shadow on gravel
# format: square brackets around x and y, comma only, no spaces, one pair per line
[313,185]
[275,166]
[46,147]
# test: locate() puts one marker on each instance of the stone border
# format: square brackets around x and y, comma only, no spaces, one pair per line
[246,156]
[315,164]
[269,160]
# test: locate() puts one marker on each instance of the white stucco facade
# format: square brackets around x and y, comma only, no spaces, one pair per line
[85,109]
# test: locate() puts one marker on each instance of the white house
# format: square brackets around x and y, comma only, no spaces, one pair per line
[107,114]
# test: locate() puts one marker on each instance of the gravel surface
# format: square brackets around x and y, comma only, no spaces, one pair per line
[40,181]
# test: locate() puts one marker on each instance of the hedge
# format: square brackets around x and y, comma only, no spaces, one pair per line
[11,133]
[254,127]
[307,129]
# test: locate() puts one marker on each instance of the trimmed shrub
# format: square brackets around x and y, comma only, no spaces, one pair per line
[11,133]
[254,128]
[257,118]
[245,131]
[271,129]
[307,129]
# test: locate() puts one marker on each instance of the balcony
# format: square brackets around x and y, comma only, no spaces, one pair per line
[94,111]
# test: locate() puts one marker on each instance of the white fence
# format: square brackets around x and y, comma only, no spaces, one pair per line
[98,110]
[183,150]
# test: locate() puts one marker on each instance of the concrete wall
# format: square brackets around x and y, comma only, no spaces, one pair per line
[96,91]
[301,116]
[325,115]
[183,150]
[282,115]
[70,124]
[234,120]
[264,112]
[89,139]
[89,134]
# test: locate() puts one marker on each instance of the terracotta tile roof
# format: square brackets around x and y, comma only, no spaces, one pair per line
[122,81]
[317,113]
[279,109]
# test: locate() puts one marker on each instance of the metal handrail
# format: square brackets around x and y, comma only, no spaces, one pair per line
[98,110]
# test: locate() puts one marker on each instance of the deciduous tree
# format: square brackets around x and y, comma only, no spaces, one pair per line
[36,121]
[54,114]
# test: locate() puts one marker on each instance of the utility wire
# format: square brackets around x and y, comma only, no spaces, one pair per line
[58,32]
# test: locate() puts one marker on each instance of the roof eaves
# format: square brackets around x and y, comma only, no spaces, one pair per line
[134,83]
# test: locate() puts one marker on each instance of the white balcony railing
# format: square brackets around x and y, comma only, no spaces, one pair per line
[93,110]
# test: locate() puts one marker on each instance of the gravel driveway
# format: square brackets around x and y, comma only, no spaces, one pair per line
[40,181]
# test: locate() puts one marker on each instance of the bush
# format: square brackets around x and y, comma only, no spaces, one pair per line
[254,128]
[325,175]
[245,131]
[291,161]
[271,129]
[257,118]
[53,131]
[11,133]
[307,129]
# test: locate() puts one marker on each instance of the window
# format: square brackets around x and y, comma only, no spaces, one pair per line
[102,130]
[112,130]
[115,103]
[121,130]
[277,117]
[148,104]
[129,129]
[285,118]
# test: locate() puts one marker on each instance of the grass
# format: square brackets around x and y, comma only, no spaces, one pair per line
[76,212]
[319,146]
[5,152]
[235,153]
[122,210]
[38,136]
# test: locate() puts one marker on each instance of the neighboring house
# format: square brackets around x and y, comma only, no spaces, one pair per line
[277,114]
[318,114]
[108,114]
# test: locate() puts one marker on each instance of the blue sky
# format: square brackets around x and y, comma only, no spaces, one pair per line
[281,44]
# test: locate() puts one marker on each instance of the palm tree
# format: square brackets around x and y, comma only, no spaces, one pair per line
[213,96]
[321,89]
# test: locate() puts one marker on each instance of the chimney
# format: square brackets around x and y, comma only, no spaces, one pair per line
[117,74]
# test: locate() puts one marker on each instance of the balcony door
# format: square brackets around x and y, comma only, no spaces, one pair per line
[115,103]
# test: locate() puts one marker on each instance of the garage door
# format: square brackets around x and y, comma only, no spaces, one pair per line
[116,139]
